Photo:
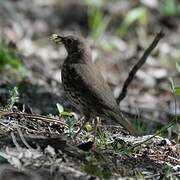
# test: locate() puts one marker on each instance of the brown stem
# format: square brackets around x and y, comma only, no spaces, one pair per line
[139,64]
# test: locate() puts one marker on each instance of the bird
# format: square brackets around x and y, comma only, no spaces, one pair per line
[85,86]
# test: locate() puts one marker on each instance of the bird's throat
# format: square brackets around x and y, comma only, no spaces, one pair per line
[78,57]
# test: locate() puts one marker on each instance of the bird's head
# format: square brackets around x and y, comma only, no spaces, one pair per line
[71,43]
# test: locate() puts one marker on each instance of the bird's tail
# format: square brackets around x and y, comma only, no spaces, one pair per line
[118,117]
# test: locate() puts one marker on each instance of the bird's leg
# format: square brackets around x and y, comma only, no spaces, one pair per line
[97,120]
[84,122]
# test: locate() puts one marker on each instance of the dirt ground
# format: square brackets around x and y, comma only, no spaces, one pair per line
[35,147]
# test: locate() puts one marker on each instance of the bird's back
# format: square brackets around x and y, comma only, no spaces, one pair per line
[84,83]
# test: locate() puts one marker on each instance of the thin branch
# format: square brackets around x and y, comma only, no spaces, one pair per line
[32,116]
[139,64]
[23,139]
[15,142]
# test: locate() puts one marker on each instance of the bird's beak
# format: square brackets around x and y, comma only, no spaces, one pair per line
[56,38]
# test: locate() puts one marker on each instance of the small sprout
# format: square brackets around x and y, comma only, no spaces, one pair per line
[14,97]
[66,113]
[178,67]
[98,22]
[50,116]
[93,167]
[91,159]
[138,14]
[177,91]
[60,108]
[70,125]
[88,127]
[69,122]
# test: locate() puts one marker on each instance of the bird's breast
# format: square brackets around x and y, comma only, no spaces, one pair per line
[69,82]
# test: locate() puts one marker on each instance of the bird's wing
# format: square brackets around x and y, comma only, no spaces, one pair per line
[97,93]
[94,88]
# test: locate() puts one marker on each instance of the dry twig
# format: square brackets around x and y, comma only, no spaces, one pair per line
[32,116]
[139,64]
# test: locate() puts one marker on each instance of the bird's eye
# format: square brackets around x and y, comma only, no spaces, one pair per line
[69,41]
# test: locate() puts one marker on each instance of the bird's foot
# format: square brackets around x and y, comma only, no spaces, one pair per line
[80,129]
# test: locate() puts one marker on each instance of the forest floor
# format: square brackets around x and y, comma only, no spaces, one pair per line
[36,135]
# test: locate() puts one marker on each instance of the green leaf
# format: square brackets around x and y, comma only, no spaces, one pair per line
[136,14]
[178,67]
[172,84]
[65,113]
[97,21]
[60,108]
[97,3]
[169,7]
[70,124]
[14,97]
[177,90]
[10,62]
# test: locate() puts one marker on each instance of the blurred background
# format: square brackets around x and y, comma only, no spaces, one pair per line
[118,32]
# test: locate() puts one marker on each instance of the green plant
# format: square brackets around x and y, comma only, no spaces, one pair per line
[98,22]
[92,166]
[139,174]
[120,147]
[167,172]
[138,14]
[97,3]
[141,128]
[69,121]
[10,63]
[174,121]
[70,125]
[169,7]
[176,92]
[102,140]
[14,97]
[175,88]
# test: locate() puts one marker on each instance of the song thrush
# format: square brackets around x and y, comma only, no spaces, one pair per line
[84,84]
